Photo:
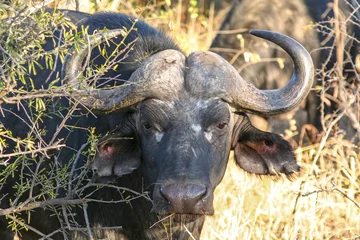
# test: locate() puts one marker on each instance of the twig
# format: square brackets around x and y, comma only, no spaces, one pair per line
[316,191]
[161,220]
[190,234]
[51,93]
[33,152]
[41,5]
[34,178]
[42,204]
[65,216]
[26,226]
[98,185]
[56,55]
[323,140]
[87,221]
[80,229]
[356,7]
[344,194]
[26,206]
[78,154]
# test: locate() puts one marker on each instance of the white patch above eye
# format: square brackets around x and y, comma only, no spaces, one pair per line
[193,150]
[202,104]
[208,136]
[196,128]
[159,136]
[171,105]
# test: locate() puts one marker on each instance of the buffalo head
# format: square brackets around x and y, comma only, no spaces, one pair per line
[183,116]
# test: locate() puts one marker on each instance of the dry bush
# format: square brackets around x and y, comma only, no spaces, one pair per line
[325,202]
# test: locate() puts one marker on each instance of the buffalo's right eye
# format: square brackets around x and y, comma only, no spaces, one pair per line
[221,125]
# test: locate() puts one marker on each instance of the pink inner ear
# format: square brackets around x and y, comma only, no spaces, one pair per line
[106,151]
[262,147]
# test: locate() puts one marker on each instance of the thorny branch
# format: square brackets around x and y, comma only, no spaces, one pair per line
[332,189]
[33,152]
[79,189]
[88,227]
[336,188]
[25,225]
[26,206]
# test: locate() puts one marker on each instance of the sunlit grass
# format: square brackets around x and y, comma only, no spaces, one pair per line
[248,207]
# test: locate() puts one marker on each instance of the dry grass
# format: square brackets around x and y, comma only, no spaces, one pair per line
[309,208]
[323,204]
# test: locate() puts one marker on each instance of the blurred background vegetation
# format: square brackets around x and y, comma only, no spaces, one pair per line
[323,204]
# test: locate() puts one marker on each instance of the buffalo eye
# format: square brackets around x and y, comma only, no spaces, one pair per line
[221,125]
[147,126]
[268,143]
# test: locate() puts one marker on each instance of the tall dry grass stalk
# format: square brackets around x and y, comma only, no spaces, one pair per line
[323,204]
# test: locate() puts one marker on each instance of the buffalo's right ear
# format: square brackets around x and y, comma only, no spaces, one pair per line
[117,155]
[261,152]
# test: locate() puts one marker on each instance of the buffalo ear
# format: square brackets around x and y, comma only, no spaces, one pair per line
[116,155]
[261,152]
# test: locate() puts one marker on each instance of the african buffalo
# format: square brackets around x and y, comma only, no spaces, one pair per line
[292,18]
[167,123]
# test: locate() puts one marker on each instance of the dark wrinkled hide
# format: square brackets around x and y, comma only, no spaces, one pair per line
[291,18]
[180,165]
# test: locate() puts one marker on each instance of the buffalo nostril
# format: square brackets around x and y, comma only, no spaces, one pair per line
[183,198]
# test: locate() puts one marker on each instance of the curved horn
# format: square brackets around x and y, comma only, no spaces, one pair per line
[159,76]
[220,79]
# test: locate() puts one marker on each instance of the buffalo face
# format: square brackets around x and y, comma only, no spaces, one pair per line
[185,145]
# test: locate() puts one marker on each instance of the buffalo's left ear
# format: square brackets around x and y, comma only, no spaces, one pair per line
[261,152]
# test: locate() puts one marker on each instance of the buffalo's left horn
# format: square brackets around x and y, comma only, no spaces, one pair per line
[159,76]
[212,76]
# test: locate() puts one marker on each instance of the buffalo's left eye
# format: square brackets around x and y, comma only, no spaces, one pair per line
[221,125]
[147,125]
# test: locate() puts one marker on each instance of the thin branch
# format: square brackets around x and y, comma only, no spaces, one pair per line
[323,140]
[41,5]
[190,234]
[88,227]
[345,195]
[66,201]
[161,220]
[80,229]
[26,226]
[78,154]
[32,152]
[42,204]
